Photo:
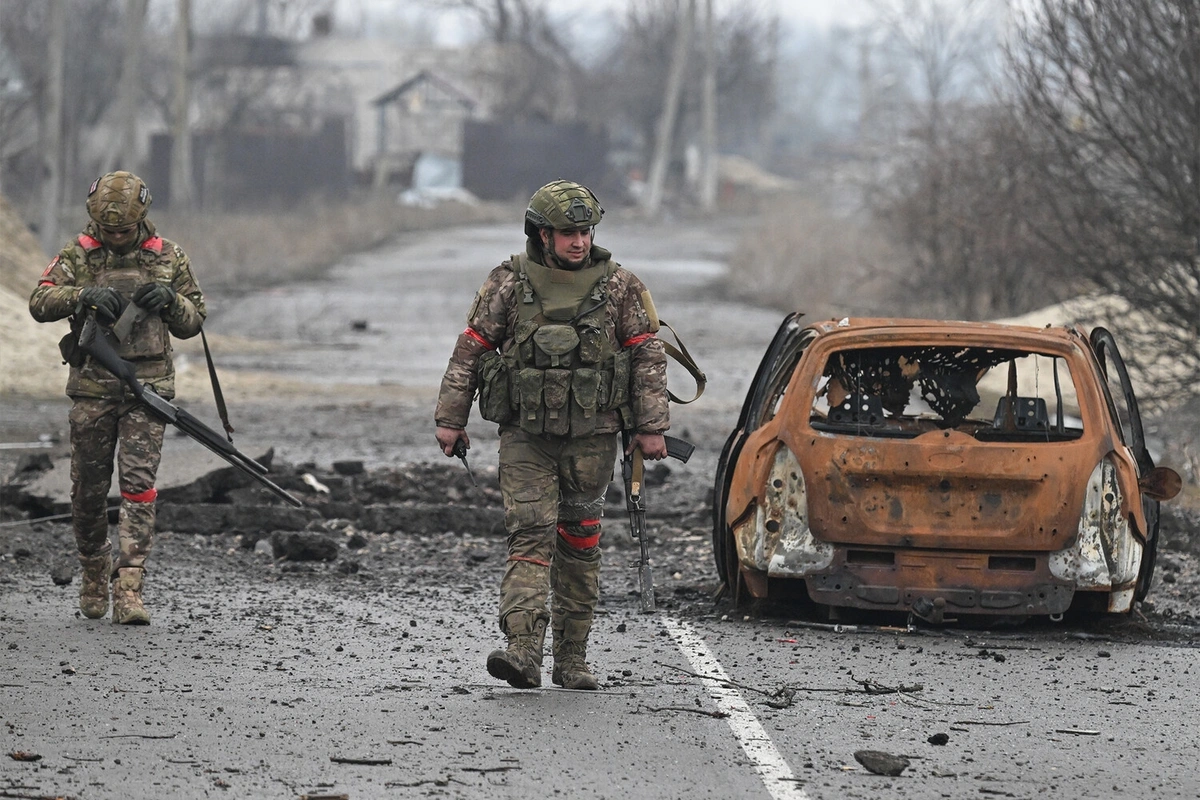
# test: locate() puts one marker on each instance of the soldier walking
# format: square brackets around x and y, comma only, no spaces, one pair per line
[560,344]
[118,259]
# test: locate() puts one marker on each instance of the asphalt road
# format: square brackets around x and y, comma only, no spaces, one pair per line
[255,681]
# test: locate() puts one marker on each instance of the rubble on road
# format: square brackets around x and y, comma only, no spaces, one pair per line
[426,521]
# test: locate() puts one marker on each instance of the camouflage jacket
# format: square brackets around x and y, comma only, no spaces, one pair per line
[491,324]
[86,262]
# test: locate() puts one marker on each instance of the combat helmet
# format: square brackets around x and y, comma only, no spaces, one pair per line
[562,206]
[118,200]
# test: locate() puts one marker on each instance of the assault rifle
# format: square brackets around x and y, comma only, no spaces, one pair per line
[99,343]
[632,469]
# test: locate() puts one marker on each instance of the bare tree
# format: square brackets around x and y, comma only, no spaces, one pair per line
[52,127]
[927,130]
[964,221]
[182,191]
[631,81]
[665,128]
[123,150]
[537,74]
[1110,97]
[90,70]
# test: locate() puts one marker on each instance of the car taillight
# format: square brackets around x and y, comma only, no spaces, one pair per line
[1105,554]
[785,543]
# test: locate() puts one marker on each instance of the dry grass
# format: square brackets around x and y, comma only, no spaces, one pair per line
[263,247]
[801,256]
[228,249]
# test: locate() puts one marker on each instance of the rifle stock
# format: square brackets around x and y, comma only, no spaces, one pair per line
[633,472]
[96,342]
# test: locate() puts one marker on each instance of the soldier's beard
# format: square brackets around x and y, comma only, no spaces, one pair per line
[570,265]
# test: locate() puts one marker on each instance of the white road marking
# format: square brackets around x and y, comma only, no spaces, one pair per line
[774,771]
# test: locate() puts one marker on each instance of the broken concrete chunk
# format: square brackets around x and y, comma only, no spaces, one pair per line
[881,763]
[303,546]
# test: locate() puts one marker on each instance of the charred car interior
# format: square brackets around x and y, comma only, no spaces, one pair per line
[940,469]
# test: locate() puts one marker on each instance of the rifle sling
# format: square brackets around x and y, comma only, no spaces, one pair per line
[216,385]
[682,355]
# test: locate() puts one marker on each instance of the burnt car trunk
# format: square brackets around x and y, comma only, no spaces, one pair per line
[945,489]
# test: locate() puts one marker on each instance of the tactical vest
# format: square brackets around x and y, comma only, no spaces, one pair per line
[560,370]
[148,345]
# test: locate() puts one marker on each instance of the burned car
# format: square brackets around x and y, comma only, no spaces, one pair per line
[940,469]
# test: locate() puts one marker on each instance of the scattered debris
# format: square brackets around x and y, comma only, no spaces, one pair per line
[938,739]
[303,546]
[1077,731]
[874,687]
[62,573]
[839,628]
[702,711]
[314,484]
[366,762]
[24,755]
[881,763]
[992,724]
[138,736]
[349,467]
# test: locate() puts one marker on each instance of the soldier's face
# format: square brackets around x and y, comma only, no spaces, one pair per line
[569,247]
[118,238]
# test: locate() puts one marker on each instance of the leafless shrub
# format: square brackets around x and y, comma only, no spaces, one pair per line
[962,211]
[799,256]
[1110,102]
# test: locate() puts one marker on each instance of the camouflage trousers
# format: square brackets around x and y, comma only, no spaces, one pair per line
[100,430]
[553,489]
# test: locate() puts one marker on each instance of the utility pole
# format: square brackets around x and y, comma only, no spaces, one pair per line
[182,193]
[52,127]
[666,121]
[708,114]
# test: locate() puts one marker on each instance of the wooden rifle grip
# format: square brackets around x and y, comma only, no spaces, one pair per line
[635,480]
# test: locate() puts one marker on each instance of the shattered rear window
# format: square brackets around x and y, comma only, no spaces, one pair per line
[904,391]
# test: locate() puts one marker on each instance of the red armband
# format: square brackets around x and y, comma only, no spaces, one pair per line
[474,334]
[636,340]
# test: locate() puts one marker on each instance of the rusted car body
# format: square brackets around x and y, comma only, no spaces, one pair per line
[940,469]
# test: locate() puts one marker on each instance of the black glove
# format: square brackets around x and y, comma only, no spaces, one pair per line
[154,296]
[104,300]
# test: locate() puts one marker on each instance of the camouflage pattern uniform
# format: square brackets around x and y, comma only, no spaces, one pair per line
[554,483]
[105,419]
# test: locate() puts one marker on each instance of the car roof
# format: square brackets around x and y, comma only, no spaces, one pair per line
[990,334]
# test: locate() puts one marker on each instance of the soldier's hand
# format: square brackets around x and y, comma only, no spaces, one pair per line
[104,300]
[154,297]
[447,437]
[652,445]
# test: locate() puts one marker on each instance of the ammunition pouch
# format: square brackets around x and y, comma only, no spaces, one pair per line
[495,393]
[618,388]
[68,345]
[529,399]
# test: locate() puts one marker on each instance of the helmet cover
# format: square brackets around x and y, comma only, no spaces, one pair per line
[562,206]
[118,200]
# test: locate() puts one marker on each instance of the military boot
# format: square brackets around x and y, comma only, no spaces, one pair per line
[93,585]
[570,657]
[127,597]
[520,663]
